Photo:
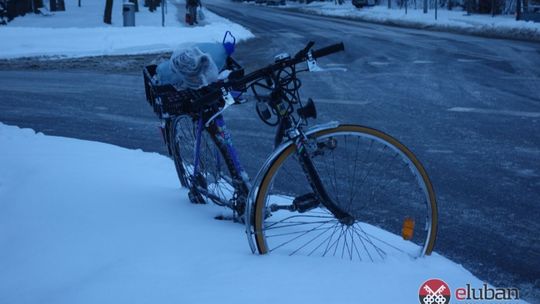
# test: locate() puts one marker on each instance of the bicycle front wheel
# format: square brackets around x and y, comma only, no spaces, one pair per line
[368,174]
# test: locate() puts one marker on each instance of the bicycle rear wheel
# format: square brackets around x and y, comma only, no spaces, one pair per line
[368,174]
[212,181]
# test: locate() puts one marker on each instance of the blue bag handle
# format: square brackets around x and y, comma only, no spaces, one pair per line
[229,41]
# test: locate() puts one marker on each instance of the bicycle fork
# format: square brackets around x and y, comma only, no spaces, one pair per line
[316,184]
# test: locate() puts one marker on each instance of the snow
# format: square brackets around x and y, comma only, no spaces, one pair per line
[87,222]
[503,26]
[79,32]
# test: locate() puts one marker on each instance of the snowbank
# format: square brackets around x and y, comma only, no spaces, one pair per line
[79,32]
[504,26]
[87,222]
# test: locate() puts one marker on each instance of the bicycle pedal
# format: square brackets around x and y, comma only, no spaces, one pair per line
[231,218]
[306,202]
[223,217]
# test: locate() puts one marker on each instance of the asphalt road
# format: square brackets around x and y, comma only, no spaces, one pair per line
[469,107]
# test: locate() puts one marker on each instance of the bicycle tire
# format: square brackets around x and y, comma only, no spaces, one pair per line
[214,182]
[376,226]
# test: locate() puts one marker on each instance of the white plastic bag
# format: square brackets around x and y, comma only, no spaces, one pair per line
[197,68]
[201,14]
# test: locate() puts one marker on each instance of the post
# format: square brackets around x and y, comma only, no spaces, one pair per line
[52,5]
[79,3]
[107,16]
[425,6]
[518,10]
[436,7]
[163,13]
[389,4]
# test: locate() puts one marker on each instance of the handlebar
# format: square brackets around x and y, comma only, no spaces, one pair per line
[217,89]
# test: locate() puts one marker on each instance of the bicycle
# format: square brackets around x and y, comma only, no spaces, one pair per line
[338,190]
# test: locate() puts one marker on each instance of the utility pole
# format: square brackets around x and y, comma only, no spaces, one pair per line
[163,13]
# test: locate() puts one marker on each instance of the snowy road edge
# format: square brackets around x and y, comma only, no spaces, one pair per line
[483,31]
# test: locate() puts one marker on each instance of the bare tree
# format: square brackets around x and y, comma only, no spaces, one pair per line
[107,16]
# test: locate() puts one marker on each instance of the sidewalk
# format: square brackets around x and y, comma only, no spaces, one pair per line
[500,26]
[80,32]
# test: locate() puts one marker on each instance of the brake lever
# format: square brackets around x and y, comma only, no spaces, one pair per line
[229,101]
[314,67]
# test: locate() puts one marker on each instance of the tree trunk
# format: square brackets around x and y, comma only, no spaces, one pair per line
[518,10]
[107,16]
[61,6]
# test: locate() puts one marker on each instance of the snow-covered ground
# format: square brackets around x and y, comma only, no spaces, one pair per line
[80,31]
[503,26]
[87,222]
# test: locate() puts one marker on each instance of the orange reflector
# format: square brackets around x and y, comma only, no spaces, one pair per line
[408,229]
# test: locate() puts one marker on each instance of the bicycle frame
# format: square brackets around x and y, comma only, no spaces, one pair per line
[222,138]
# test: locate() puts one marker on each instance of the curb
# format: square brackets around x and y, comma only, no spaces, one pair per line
[520,34]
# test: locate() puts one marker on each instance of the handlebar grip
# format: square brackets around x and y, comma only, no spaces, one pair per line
[334,48]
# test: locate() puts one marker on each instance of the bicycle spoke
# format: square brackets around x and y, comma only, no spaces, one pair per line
[345,244]
[337,241]
[297,237]
[324,241]
[294,216]
[353,196]
[353,179]
[367,238]
[300,223]
[355,247]
[328,246]
[313,239]
[363,244]
[384,242]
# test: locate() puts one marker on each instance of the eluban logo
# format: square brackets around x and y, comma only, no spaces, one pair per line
[486,293]
[434,291]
